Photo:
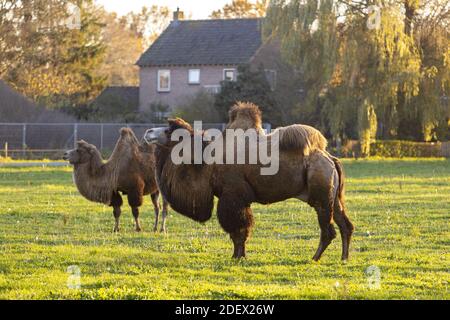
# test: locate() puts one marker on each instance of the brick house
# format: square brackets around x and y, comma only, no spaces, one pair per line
[193,55]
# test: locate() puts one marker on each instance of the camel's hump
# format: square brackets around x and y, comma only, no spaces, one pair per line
[125,131]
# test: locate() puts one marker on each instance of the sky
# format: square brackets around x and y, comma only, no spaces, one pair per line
[199,9]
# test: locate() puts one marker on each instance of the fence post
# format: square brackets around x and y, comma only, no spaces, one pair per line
[6,149]
[75,135]
[101,136]
[24,136]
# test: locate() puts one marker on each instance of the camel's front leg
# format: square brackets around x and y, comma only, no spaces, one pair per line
[116,203]
[155,201]
[236,218]
[165,213]
[117,213]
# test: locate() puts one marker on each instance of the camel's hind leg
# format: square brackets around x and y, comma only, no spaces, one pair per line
[322,190]
[155,201]
[345,225]
[116,203]
[327,231]
[346,228]
[135,200]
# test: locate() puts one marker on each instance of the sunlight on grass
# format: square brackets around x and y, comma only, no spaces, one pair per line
[401,210]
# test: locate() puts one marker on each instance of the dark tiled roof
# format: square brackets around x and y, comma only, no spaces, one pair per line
[126,95]
[205,42]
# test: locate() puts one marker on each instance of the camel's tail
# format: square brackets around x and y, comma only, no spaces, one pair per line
[340,170]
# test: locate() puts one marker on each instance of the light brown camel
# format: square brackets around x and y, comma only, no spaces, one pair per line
[306,172]
[130,170]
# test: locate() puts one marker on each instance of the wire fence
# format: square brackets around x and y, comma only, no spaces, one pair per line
[51,140]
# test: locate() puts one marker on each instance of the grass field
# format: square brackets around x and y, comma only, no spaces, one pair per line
[401,210]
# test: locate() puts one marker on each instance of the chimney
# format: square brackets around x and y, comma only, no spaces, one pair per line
[178,15]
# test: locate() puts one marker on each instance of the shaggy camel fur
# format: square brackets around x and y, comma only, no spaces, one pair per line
[307,172]
[129,170]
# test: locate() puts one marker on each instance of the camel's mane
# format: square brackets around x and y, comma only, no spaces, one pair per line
[98,180]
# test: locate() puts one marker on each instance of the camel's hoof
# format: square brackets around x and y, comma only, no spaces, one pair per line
[138,229]
[163,231]
[116,230]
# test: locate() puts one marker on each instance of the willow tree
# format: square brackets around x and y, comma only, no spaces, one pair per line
[432,34]
[241,9]
[310,43]
[350,57]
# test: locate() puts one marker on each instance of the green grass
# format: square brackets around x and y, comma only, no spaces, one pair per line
[401,210]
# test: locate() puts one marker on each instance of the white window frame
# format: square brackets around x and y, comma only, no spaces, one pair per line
[199,76]
[159,80]
[213,88]
[225,72]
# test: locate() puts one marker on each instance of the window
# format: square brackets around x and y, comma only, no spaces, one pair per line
[212,89]
[164,81]
[194,76]
[229,74]
[271,76]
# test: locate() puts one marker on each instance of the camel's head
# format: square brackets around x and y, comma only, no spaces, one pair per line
[81,154]
[162,136]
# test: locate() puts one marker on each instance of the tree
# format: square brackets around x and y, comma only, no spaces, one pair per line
[432,34]
[123,48]
[251,86]
[149,23]
[242,9]
[200,106]
[125,38]
[353,55]
[48,59]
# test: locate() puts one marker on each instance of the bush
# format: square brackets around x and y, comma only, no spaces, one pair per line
[400,149]
[250,86]
[199,107]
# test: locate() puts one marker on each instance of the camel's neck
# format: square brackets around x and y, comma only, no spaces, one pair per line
[187,187]
[162,155]
[93,180]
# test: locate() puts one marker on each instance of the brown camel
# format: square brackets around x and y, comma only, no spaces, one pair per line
[306,172]
[129,170]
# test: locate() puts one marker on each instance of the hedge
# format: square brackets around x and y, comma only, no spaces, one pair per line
[400,149]
[393,149]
